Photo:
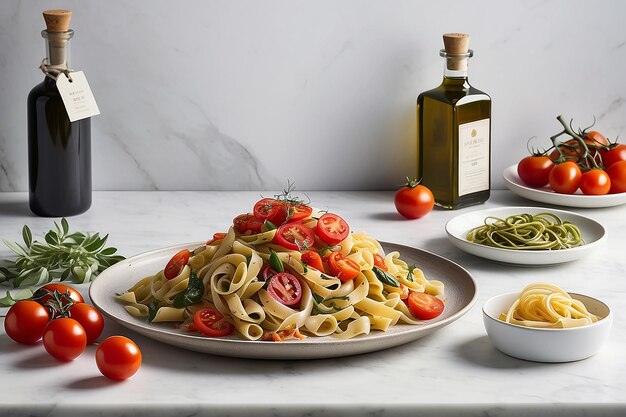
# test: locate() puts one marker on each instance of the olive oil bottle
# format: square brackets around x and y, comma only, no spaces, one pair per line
[59,150]
[454,133]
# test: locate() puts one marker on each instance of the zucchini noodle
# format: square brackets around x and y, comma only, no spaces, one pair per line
[545,305]
[543,231]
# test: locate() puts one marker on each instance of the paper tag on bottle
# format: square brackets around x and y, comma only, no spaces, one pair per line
[77,96]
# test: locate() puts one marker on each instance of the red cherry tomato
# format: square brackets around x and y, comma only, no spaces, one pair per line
[176,264]
[65,339]
[25,321]
[535,170]
[614,154]
[424,306]
[43,294]
[90,319]
[267,272]
[414,200]
[298,212]
[294,236]
[617,173]
[595,182]
[332,229]
[272,210]
[210,322]
[565,178]
[596,138]
[313,259]
[343,268]
[118,358]
[285,288]
[247,223]
[379,261]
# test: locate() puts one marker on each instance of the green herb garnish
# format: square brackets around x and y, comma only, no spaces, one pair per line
[190,295]
[409,276]
[385,277]
[275,262]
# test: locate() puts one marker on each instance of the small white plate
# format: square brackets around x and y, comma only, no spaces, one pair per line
[593,233]
[546,195]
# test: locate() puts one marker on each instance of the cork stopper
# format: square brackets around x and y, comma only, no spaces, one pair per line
[456,44]
[57,20]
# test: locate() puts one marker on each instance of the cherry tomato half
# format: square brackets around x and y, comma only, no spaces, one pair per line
[343,268]
[247,223]
[614,154]
[267,272]
[617,173]
[25,321]
[176,264]
[294,236]
[565,177]
[379,261]
[535,170]
[90,319]
[118,358]
[210,322]
[298,212]
[43,294]
[424,306]
[286,289]
[332,229]
[414,200]
[313,259]
[271,210]
[65,339]
[595,182]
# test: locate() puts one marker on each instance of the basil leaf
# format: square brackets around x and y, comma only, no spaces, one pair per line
[275,262]
[385,277]
[318,298]
[409,276]
[190,295]
[153,307]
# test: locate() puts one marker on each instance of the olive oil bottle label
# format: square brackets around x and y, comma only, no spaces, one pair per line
[77,96]
[473,157]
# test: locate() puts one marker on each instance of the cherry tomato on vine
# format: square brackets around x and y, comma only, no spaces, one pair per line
[565,177]
[596,138]
[210,322]
[43,294]
[272,210]
[245,223]
[617,173]
[534,170]
[65,339]
[118,358]
[595,182]
[286,289]
[424,306]
[176,264]
[313,259]
[379,261]
[343,268]
[332,229]
[614,154]
[414,200]
[294,236]
[573,150]
[25,321]
[90,319]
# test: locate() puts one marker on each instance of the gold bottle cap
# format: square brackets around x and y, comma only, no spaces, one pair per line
[57,20]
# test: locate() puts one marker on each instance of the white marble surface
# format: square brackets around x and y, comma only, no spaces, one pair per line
[244,95]
[454,372]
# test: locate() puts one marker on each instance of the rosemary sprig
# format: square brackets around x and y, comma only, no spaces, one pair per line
[62,255]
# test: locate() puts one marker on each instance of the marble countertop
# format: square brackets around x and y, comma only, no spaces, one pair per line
[454,372]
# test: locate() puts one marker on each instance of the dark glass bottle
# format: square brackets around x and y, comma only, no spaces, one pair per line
[59,151]
[453,128]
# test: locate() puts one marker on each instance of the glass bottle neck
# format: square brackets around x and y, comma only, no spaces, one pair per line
[57,48]
[455,66]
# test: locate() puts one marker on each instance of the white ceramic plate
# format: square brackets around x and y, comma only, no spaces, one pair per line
[594,234]
[460,290]
[546,195]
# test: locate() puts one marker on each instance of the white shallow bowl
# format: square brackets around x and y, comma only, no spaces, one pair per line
[594,235]
[546,195]
[547,345]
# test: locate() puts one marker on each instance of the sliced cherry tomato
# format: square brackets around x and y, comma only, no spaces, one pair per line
[285,288]
[247,223]
[565,177]
[65,339]
[424,306]
[176,264]
[343,268]
[379,261]
[313,259]
[43,294]
[272,210]
[615,154]
[90,319]
[25,321]
[535,170]
[298,212]
[118,358]
[617,173]
[595,182]
[414,200]
[332,229]
[210,322]
[294,236]
[267,272]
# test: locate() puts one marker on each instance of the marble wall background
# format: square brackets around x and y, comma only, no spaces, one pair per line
[247,94]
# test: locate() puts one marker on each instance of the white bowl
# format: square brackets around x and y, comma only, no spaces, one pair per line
[547,345]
